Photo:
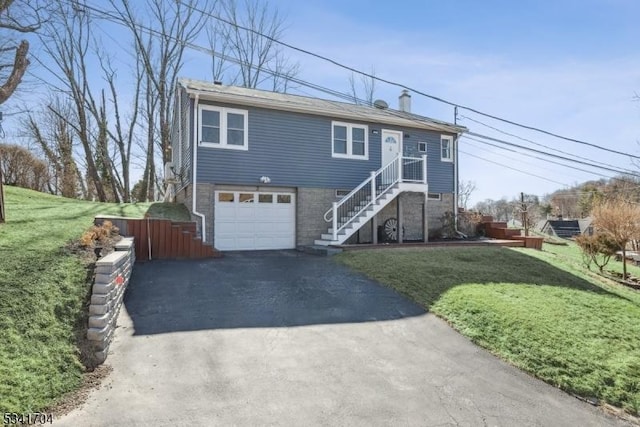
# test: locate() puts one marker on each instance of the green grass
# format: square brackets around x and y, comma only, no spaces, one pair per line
[172,211]
[539,310]
[571,255]
[42,291]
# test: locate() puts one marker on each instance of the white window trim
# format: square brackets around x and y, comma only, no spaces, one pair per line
[425,147]
[350,155]
[450,139]
[434,196]
[223,127]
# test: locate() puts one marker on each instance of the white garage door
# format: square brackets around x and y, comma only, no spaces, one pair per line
[246,220]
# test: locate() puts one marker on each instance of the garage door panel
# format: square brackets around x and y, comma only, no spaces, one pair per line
[258,220]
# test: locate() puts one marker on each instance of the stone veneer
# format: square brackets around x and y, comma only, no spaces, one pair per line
[112,277]
[412,211]
[312,203]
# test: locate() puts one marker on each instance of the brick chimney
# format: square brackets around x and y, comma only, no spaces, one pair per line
[404,103]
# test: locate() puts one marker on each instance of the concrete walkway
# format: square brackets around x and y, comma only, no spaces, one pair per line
[282,338]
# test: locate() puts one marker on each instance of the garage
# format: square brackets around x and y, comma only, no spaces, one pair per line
[254,220]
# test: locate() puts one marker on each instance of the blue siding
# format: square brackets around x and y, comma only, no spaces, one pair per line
[439,174]
[294,150]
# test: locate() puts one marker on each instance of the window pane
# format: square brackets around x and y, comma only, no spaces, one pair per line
[358,148]
[246,198]
[446,149]
[340,146]
[210,134]
[235,121]
[358,134]
[225,197]
[284,198]
[265,198]
[235,137]
[211,118]
[340,132]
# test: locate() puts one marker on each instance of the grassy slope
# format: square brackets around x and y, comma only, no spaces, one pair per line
[42,288]
[537,310]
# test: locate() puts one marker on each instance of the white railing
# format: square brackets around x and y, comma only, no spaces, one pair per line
[401,169]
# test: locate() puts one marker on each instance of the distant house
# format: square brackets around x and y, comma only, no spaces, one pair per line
[265,170]
[567,228]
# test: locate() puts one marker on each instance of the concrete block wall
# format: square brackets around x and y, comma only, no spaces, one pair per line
[312,205]
[412,216]
[204,205]
[112,277]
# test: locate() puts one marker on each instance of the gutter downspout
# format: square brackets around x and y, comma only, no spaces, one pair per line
[195,169]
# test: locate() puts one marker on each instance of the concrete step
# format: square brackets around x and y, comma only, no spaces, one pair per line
[319,250]
[326,242]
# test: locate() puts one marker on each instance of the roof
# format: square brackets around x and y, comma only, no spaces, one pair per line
[316,106]
[565,228]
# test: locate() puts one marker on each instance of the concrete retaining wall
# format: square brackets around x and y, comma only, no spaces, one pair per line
[112,277]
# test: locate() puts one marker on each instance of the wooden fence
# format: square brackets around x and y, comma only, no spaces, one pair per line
[163,238]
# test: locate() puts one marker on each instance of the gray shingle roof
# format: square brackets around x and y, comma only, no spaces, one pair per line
[316,106]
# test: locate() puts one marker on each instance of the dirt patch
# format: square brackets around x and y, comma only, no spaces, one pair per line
[631,281]
[91,380]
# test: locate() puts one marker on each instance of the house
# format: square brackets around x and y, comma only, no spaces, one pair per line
[265,170]
[566,228]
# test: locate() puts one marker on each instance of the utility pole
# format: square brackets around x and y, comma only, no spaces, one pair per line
[1,199]
[525,222]
[2,217]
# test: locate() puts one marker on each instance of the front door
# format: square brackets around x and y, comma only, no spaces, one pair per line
[391,145]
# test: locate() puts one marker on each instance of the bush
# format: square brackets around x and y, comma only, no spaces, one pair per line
[597,249]
[468,222]
[99,234]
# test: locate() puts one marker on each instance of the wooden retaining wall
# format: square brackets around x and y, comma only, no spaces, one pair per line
[499,230]
[163,238]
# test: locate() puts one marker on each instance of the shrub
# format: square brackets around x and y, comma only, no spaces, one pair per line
[99,234]
[597,249]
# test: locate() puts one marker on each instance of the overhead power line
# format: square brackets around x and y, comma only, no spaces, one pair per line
[513,169]
[400,85]
[118,20]
[511,144]
[539,158]
[540,145]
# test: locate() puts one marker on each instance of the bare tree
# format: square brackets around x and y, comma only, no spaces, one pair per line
[22,169]
[68,44]
[365,93]
[16,17]
[465,190]
[619,220]
[53,135]
[245,44]
[161,32]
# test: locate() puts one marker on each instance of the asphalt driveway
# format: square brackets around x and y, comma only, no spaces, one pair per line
[283,338]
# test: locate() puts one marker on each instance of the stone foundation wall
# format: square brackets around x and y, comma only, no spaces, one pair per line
[412,211]
[112,277]
[310,210]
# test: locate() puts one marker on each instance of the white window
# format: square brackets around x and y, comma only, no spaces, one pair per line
[349,141]
[434,196]
[223,127]
[446,148]
[422,147]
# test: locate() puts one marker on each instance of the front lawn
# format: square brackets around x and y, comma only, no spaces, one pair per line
[42,290]
[538,310]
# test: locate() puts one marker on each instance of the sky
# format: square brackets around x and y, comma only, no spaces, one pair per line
[567,66]
[570,67]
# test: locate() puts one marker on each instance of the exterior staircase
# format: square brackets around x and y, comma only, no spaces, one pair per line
[359,206]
